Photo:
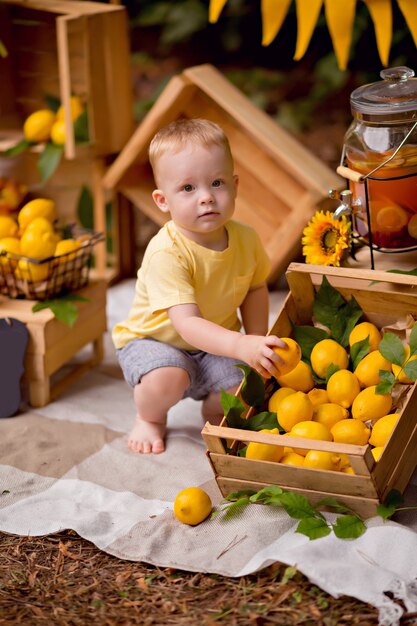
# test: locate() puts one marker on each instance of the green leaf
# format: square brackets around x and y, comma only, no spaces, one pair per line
[233,408]
[348,527]
[331,503]
[391,503]
[288,574]
[268,495]
[387,382]
[265,419]
[18,148]
[242,451]
[49,159]
[391,347]
[63,308]
[85,208]
[307,337]
[358,351]
[330,370]
[52,102]
[333,311]
[313,527]
[81,130]
[237,495]
[410,370]
[413,340]
[409,272]
[351,313]
[253,388]
[297,505]
[233,509]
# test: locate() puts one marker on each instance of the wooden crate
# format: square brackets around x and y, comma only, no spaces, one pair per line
[388,301]
[52,344]
[281,183]
[62,48]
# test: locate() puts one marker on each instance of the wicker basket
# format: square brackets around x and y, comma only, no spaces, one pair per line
[51,277]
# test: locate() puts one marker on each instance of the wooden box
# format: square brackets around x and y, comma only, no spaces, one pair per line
[383,303]
[281,183]
[61,48]
[52,343]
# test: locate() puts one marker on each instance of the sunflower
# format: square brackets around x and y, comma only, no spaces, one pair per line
[326,240]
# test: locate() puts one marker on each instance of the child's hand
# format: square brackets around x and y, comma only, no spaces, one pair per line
[257,351]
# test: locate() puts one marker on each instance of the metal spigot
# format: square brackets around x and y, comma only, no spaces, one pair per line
[347,204]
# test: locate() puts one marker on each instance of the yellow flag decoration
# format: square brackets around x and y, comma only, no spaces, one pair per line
[340,17]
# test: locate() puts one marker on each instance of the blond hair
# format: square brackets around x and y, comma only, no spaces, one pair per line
[179,133]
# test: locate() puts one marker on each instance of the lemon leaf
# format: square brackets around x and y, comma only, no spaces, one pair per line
[331,503]
[81,131]
[234,508]
[391,503]
[297,505]
[331,310]
[236,495]
[358,351]
[253,388]
[49,159]
[18,148]
[268,495]
[330,370]
[410,370]
[265,419]
[307,337]
[233,409]
[348,527]
[391,347]
[413,340]
[350,313]
[313,527]
[387,382]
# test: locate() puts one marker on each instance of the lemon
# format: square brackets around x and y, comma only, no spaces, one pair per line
[318,396]
[343,387]
[40,207]
[350,431]
[300,378]
[382,429]
[369,405]
[37,127]
[39,225]
[367,370]
[397,370]
[310,430]
[192,505]
[317,459]
[76,107]
[293,409]
[58,132]
[325,353]
[329,413]
[363,330]
[64,247]
[33,272]
[277,397]
[291,356]
[10,244]
[8,227]
[292,458]
[264,451]
[37,244]
[377,451]
[348,470]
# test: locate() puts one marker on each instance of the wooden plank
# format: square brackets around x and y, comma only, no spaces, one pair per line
[407,462]
[212,442]
[63,24]
[66,7]
[303,294]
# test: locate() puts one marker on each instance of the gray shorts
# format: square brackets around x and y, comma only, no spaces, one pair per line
[207,372]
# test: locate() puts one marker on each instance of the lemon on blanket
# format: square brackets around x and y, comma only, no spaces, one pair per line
[192,505]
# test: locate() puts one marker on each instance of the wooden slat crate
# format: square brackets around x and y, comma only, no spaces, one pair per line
[62,48]
[281,183]
[390,300]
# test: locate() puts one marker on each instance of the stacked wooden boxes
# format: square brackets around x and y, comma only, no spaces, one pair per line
[61,48]
[385,299]
[281,184]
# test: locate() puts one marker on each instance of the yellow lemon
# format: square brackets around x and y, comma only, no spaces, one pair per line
[192,505]
[292,458]
[329,413]
[293,409]
[377,451]
[382,429]
[40,207]
[33,272]
[300,378]
[317,459]
[10,244]
[397,370]
[76,107]
[264,451]
[58,132]
[343,461]
[37,245]
[325,353]
[37,127]
[350,431]
[291,356]
[64,247]
[369,405]
[367,370]
[391,219]
[277,397]
[318,396]
[310,430]
[363,330]
[39,225]
[343,387]
[8,227]
[348,470]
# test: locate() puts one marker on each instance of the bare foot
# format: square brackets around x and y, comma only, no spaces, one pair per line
[147,437]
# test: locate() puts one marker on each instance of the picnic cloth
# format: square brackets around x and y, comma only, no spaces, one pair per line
[67,466]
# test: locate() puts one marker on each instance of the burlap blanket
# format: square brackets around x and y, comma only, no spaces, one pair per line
[67,466]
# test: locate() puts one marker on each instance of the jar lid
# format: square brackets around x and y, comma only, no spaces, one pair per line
[396,93]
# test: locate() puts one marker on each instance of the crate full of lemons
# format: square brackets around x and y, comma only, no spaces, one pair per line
[40,259]
[341,421]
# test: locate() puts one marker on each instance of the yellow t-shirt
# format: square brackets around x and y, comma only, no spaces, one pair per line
[176,270]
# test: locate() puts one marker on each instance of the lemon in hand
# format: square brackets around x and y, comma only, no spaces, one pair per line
[192,505]
[291,356]
[37,127]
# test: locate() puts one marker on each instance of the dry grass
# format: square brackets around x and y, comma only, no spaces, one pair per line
[63,580]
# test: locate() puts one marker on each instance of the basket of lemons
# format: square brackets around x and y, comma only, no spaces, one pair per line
[40,259]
